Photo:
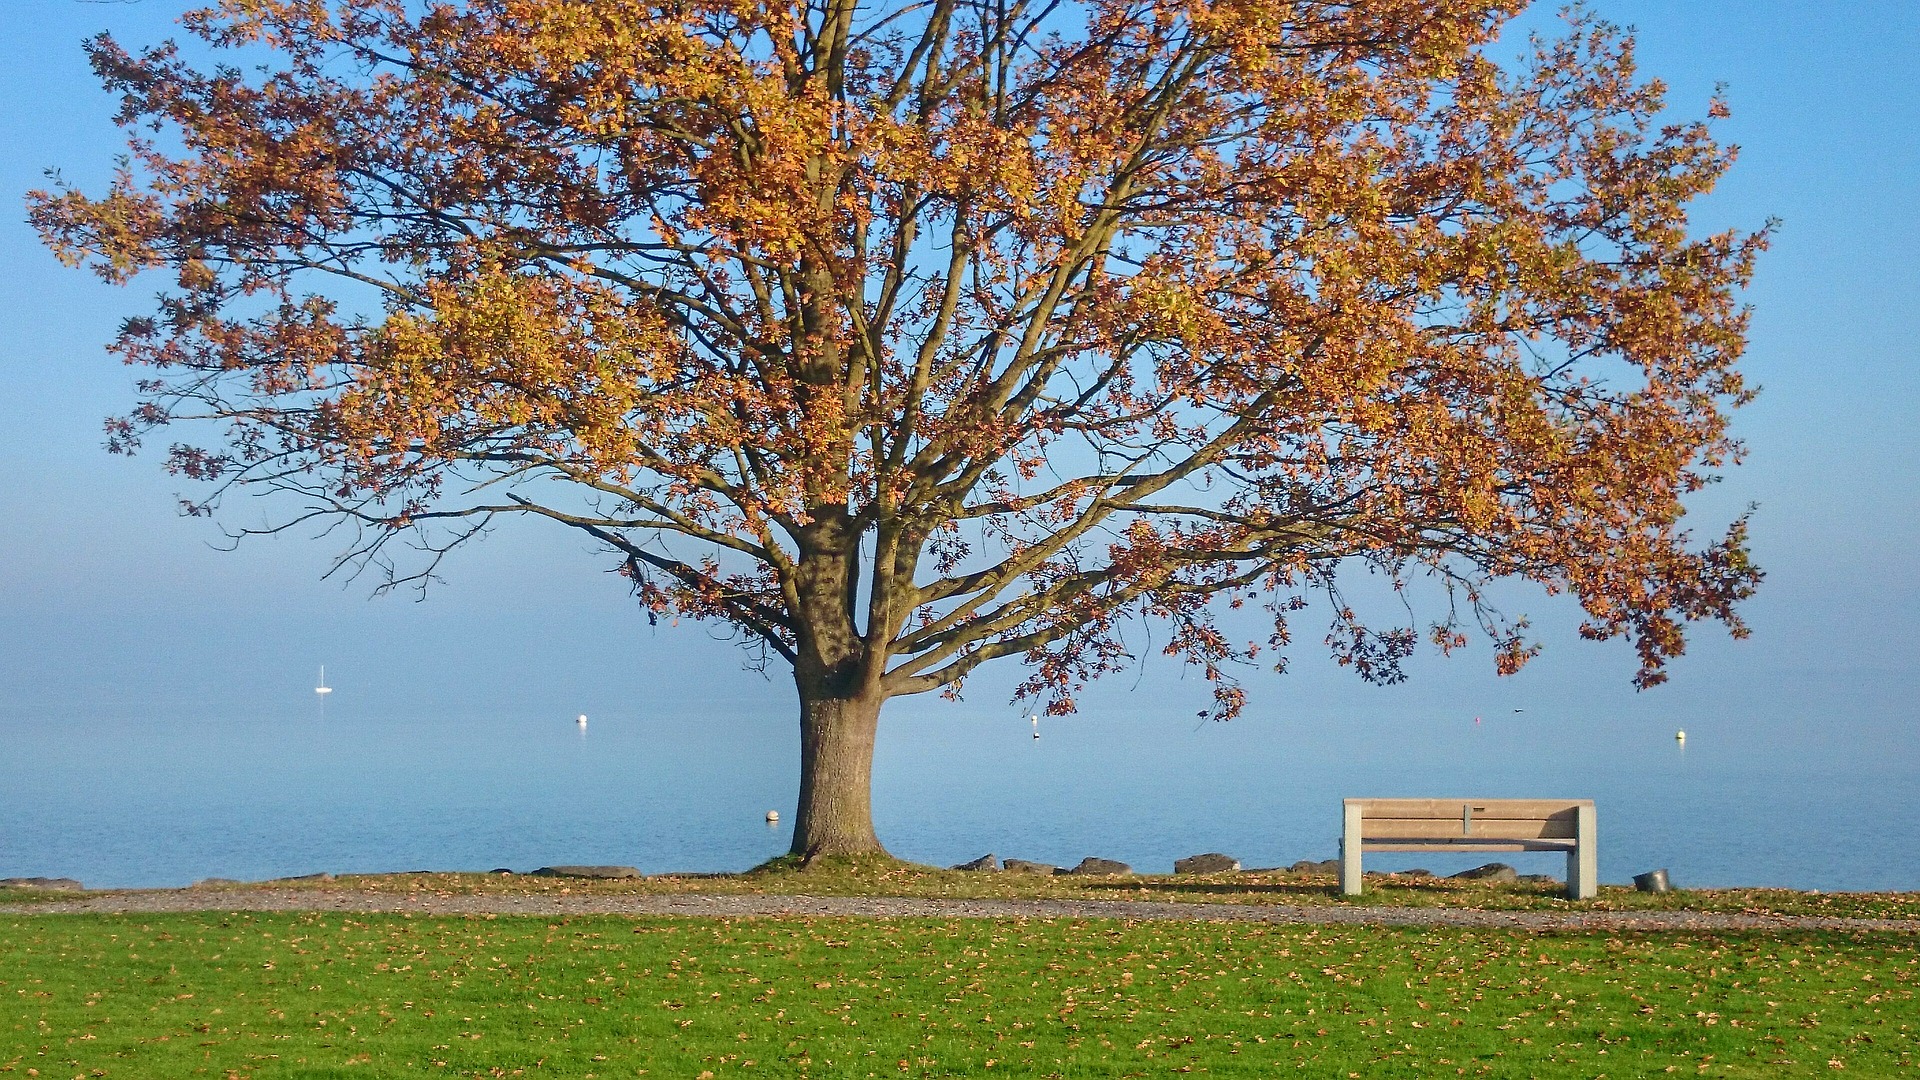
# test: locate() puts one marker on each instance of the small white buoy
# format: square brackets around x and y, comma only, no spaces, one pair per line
[1680,736]
[1036,726]
[773,816]
[582,721]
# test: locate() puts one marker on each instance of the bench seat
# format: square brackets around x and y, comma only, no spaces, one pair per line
[1563,825]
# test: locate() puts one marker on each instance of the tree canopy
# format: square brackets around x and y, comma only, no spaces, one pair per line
[904,336]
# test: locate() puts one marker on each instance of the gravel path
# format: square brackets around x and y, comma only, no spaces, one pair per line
[733,906]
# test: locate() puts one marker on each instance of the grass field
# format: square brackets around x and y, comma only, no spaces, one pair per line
[329,995]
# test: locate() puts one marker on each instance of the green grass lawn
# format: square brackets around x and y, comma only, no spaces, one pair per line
[329,995]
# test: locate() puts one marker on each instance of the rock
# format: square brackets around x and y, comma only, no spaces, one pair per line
[1022,866]
[65,884]
[604,872]
[1308,866]
[323,876]
[1211,863]
[1101,867]
[502,871]
[1410,873]
[1497,873]
[984,862]
[214,883]
[1538,879]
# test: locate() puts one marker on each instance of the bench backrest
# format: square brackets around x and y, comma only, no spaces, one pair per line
[1454,819]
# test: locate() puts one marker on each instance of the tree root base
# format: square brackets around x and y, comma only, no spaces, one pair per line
[861,865]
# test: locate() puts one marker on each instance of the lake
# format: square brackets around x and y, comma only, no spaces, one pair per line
[163,801]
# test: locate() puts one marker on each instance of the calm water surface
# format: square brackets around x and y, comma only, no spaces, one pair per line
[146,801]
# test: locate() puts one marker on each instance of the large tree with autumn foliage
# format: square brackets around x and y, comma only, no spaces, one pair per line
[905,336]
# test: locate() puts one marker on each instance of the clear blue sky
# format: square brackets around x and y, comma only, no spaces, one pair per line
[110,603]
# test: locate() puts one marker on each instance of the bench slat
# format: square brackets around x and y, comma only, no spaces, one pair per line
[1471,845]
[1445,828]
[1499,809]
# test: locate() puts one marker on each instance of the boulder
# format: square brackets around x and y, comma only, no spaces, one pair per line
[1022,866]
[1497,873]
[1211,863]
[984,862]
[1410,873]
[323,876]
[1539,879]
[215,883]
[1308,866]
[502,871]
[1101,867]
[605,872]
[59,883]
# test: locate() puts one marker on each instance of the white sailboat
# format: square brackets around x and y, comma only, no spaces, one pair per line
[323,689]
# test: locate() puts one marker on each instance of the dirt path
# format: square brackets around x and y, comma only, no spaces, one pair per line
[736,906]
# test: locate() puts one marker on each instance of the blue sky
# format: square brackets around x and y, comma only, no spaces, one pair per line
[110,603]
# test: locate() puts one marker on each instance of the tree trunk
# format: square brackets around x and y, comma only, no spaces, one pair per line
[835,816]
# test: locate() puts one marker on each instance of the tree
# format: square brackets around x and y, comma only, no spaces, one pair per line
[903,337]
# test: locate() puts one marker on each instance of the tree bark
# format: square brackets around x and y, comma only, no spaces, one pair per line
[837,675]
[835,816]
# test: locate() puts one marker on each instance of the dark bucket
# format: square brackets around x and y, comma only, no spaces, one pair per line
[1653,881]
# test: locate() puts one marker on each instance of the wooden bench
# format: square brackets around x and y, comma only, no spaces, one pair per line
[1472,825]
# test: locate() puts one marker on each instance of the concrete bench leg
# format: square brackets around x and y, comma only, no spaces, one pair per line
[1350,851]
[1583,862]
